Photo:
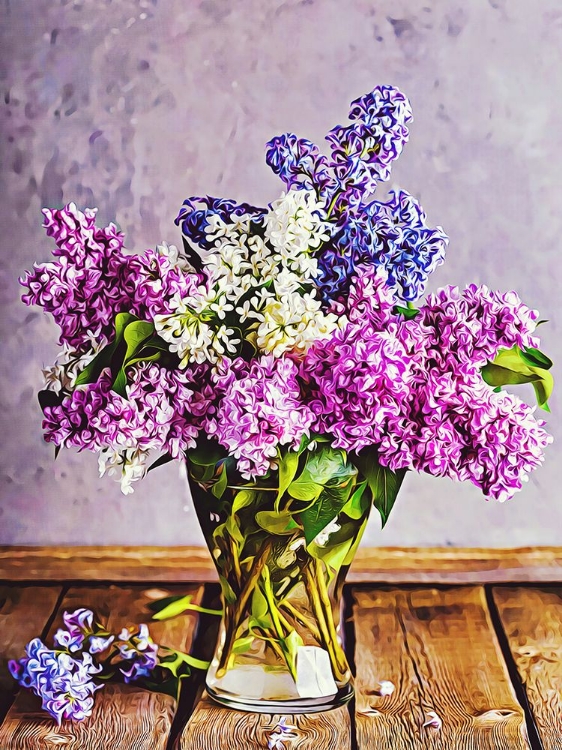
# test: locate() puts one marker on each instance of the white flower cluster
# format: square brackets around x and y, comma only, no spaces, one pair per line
[69,364]
[129,465]
[262,285]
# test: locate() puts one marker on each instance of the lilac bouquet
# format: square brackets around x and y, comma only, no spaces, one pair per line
[286,354]
[85,656]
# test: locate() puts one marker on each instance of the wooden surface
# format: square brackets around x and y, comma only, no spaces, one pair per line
[438,649]
[123,716]
[24,613]
[451,652]
[211,724]
[532,620]
[371,565]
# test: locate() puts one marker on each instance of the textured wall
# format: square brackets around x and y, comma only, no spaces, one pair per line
[131,105]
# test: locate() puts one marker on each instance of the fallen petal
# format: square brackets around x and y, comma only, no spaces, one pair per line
[432,720]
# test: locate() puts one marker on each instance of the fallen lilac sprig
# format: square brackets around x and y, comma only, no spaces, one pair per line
[85,656]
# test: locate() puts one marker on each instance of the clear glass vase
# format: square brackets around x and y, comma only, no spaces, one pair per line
[280,642]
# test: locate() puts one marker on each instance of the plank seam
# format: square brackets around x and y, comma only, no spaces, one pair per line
[349,647]
[515,677]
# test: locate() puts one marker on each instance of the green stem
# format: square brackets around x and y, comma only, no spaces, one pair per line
[329,615]
[298,616]
[321,616]
[234,613]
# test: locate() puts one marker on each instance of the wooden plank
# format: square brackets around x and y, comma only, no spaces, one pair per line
[397,565]
[124,716]
[532,620]
[439,650]
[212,726]
[24,612]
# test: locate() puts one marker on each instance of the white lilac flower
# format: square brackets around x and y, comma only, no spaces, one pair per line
[129,464]
[69,364]
[175,259]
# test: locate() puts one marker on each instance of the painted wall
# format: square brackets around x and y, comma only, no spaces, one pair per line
[132,105]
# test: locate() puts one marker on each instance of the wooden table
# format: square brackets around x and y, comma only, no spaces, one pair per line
[470,639]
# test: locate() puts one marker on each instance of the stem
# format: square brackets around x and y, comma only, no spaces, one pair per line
[316,603]
[308,624]
[325,599]
[234,613]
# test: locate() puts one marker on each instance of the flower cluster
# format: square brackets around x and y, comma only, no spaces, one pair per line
[279,325]
[66,676]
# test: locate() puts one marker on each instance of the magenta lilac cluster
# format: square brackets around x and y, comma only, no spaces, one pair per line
[281,323]
[83,657]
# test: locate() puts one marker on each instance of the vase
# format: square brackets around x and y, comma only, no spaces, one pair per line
[279,648]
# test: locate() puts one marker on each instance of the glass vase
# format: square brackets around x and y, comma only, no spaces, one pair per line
[280,641]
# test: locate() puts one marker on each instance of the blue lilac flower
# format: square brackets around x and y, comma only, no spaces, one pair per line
[375,137]
[139,650]
[298,162]
[195,212]
[64,683]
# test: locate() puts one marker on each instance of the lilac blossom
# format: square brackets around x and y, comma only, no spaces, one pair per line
[139,651]
[299,163]
[261,409]
[358,380]
[64,683]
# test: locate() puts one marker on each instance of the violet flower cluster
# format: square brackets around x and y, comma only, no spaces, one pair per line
[305,318]
[84,656]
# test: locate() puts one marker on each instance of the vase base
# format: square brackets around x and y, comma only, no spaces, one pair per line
[292,706]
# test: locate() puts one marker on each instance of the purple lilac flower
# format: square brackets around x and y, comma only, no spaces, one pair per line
[261,409]
[156,414]
[358,379]
[139,650]
[93,279]
[65,684]
[470,326]
[299,163]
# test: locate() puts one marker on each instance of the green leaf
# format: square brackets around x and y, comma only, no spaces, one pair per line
[304,490]
[383,483]
[358,503]
[163,459]
[326,468]
[291,644]
[241,645]
[243,498]
[220,485]
[173,606]
[103,359]
[535,358]
[173,661]
[135,334]
[260,611]
[287,469]
[408,312]
[120,383]
[512,367]
[275,522]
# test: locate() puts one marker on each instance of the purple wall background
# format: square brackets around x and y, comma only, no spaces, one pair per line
[133,105]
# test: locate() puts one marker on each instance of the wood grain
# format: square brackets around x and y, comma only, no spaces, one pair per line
[212,726]
[532,620]
[24,612]
[371,565]
[439,650]
[124,716]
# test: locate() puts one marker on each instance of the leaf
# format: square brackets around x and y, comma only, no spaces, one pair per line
[511,367]
[291,644]
[408,312]
[103,359]
[165,458]
[287,469]
[120,383]
[241,645]
[329,469]
[535,358]
[281,522]
[177,605]
[383,482]
[135,334]
[206,454]
[358,503]
[48,399]
[260,611]
[305,491]
[174,660]
[220,485]
[243,499]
